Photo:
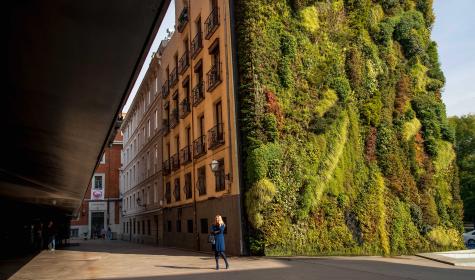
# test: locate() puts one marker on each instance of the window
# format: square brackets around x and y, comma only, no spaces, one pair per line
[189,226]
[143,227]
[134,225]
[155,194]
[169,226]
[149,127]
[156,119]
[74,232]
[178,226]
[103,158]
[220,177]
[177,191]
[148,195]
[168,193]
[98,182]
[138,227]
[188,186]
[149,228]
[202,180]
[204,225]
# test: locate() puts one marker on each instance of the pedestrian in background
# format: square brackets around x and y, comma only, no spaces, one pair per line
[51,236]
[109,233]
[217,229]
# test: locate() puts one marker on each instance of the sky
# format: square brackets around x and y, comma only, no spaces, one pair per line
[454,32]
[168,22]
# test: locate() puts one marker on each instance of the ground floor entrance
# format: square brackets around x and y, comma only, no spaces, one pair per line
[97,224]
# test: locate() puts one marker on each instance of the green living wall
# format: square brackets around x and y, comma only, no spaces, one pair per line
[346,144]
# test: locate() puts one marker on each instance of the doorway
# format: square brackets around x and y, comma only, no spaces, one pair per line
[97,224]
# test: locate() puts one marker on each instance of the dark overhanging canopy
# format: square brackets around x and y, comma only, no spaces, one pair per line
[70,68]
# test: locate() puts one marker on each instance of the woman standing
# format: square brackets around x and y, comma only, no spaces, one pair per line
[218,247]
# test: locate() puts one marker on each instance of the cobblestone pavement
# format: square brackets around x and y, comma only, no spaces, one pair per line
[94,259]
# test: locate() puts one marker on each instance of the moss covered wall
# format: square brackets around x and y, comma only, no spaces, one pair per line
[346,144]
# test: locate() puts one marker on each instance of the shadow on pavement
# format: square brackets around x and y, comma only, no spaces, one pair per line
[9,266]
[125,247]
[325,269]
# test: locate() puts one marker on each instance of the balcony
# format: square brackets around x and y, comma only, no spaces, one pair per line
[165,89]
[175,162]
[199,146]
[185,108]
[166,167]
[211,23]
[186,156]
[216,136]
[214,76]
[182,19]
[174,119]
[198,93]
[165,126]
[183,63]
[196,45]
[173,77]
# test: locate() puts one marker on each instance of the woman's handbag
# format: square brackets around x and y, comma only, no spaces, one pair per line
[211,239]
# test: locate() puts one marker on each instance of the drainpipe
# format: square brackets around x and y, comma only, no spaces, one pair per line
[193,173]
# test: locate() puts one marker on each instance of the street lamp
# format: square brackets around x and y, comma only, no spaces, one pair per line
[217,167]
[214,166]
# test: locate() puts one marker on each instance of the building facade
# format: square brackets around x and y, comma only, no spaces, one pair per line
[100,208]
[180,151]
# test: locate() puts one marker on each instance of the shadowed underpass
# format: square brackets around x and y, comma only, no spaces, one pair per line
[95,259]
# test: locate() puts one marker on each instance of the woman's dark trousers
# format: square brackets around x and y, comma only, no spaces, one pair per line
[216,256]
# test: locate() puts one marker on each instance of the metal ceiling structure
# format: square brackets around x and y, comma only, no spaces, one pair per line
[70,68]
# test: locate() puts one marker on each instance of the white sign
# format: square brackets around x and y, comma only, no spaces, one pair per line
[97,206]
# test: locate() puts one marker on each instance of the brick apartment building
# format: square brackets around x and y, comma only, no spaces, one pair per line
[101,205]
[180,164]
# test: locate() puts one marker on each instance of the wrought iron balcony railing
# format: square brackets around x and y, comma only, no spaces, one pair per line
[211,23]
[214,76]
[173,77]
[174,119]
[198,93]
[185,108]
[196,45]
[186,156]
[199,146]
[165,89]
[182,19]
[216,136]
[175,162]
[184,62]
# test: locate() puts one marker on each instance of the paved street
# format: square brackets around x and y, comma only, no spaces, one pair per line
[95,259]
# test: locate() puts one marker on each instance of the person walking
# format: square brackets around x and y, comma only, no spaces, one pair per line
[51,236]
[217,229]
[109,233]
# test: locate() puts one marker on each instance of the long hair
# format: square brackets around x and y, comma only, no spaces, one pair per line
[220,220]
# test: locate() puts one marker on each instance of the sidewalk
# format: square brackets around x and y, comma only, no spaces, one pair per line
[97,259]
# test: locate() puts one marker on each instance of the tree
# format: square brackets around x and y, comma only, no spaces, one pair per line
[465,145]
